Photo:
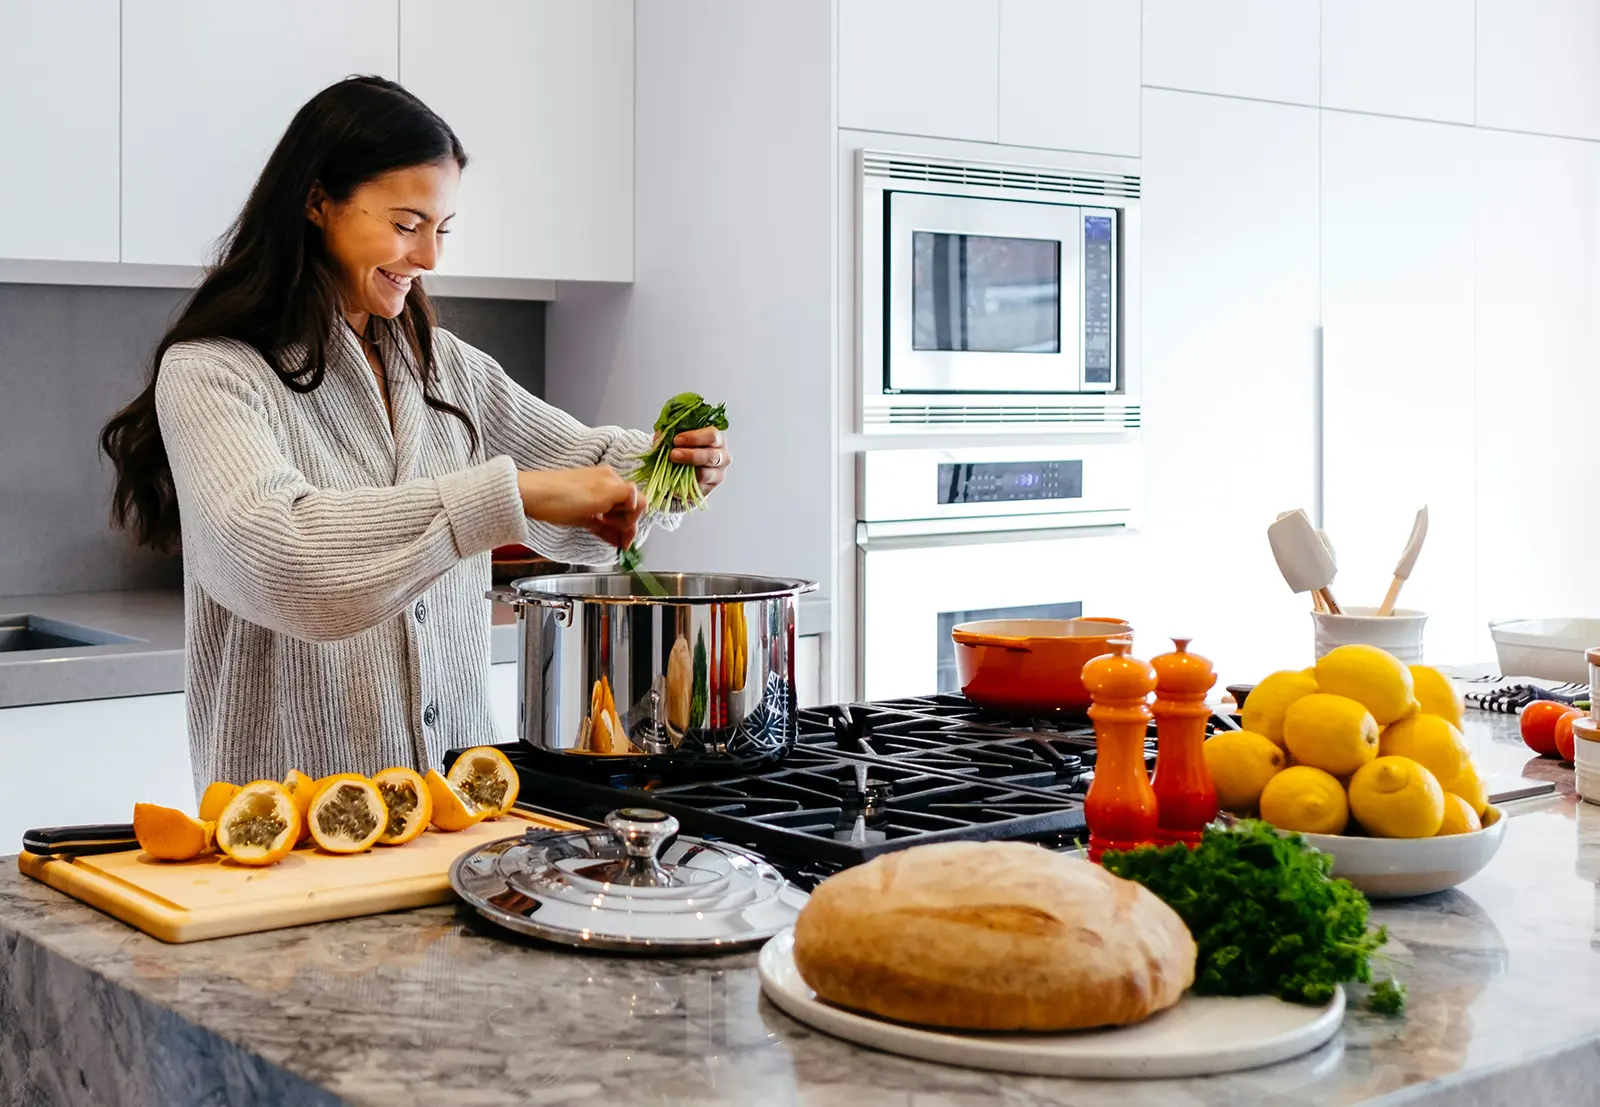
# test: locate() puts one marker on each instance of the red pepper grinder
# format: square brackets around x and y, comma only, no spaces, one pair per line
[1121,806]
[1184,792]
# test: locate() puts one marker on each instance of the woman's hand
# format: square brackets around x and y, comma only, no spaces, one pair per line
[707,450]
[596,499]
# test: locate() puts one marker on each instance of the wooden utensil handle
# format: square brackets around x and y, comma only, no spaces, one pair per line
[1327,598]
[1393,595]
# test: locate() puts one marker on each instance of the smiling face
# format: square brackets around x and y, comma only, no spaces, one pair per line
[386,235]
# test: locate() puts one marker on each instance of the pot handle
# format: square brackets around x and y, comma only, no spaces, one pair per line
[519,600]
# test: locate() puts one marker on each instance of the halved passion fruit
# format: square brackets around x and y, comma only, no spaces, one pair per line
[300,788]
[216,797]
[168,834]
[260,824]
[452,810]
[486,779]
[410,806]
[347,816]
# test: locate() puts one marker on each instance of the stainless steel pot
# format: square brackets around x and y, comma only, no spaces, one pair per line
[609,669]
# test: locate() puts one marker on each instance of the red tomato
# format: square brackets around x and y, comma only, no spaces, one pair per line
[1565,739]
[1539,725]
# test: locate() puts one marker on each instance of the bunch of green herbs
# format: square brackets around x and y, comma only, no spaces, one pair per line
[1266,916]
[669,485]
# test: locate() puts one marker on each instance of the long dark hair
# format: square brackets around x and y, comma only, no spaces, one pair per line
[276,288]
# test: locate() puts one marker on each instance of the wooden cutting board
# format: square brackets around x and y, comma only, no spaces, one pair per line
[212,897]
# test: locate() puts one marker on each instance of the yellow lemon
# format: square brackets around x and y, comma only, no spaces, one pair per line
[1469,786]
[1429,741]
[1374,679]
[1264,707]
[1331,733]
[1436,695]
[1459,818]
[1305,799]
[1394,797]
[1240,764]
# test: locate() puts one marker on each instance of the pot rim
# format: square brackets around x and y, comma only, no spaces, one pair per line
[572,587]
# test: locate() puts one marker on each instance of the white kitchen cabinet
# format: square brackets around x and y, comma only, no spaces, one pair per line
[503,701]
[58,129]
[207,91]
[1069,75]
[1230,317]
[540,93]
[1264,49]
[90,762]
[808,670]
[1539,66]
[1398,355]
[1538,278]
[921,67]
[1400,57]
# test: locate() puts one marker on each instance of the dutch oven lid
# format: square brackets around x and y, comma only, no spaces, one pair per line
[616,888]
[692,588]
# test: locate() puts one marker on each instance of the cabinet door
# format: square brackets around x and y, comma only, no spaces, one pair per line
[1538,270]
[1230,317]
[133,750]
[207,91]
[920,67]
[1539,66]
[1069,75]
[541,94]
[58,129]
[1264,49]
[1399,57]
[1397,308]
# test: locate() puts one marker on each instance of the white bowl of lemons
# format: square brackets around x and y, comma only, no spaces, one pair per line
[1363,755]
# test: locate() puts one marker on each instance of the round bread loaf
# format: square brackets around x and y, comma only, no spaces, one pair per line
[992,936]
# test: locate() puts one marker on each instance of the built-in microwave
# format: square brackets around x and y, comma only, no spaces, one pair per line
[996,295]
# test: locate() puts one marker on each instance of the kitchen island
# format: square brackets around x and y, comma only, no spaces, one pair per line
[432,1007]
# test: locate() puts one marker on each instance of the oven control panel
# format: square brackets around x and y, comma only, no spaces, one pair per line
[989,482]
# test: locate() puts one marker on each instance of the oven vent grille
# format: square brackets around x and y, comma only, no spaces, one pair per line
[1092,415]
[902,167]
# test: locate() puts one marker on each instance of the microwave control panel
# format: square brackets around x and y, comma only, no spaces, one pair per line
[1099,288]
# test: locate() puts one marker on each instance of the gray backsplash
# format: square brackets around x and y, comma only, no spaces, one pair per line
[70,356]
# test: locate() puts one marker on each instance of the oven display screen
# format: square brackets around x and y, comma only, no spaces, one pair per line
[984,293]
[990,482]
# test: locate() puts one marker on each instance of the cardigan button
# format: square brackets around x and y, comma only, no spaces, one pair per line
[429,715]
[420,611]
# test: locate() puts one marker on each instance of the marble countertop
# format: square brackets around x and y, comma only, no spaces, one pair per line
[1504,977]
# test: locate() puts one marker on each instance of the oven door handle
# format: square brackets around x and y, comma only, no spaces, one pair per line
[872,538]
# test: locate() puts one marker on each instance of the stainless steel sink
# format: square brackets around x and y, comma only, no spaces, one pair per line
[34,632]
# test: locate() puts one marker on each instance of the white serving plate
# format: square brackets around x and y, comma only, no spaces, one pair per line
[1199,1036]
[1551,649]
[1392,868]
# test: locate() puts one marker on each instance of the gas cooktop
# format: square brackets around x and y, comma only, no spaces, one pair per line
[864,779]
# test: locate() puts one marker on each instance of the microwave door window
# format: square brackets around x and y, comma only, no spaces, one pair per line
[986,294]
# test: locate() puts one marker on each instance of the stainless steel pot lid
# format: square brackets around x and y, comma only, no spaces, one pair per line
[617,889]
[690,588]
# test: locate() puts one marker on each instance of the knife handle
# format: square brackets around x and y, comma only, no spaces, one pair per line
[100,838]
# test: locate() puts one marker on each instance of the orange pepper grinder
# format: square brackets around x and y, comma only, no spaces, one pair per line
[1184,792]
[1121,806]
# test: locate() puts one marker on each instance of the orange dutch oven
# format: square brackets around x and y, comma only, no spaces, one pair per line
[1031,665]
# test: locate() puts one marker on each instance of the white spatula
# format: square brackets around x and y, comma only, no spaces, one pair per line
[1303,557]
[1408,561]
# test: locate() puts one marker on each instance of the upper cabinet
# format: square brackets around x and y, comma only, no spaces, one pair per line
[1069,75]
[1537,66]
[1262,49]
[58,129]
[541,94]
[1411,58]
[920,67]
[207,91]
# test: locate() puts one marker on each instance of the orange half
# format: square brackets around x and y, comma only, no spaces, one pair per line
[216,797]
[168,834]
[260,825]
[347,816]
[409,803]
[452,811]
[486,779]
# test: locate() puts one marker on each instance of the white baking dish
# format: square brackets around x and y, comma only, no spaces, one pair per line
[1552,649]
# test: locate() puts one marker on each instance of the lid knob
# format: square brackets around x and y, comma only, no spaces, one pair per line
[642,832]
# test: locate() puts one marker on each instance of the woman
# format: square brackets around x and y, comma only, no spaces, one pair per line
[336,468]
